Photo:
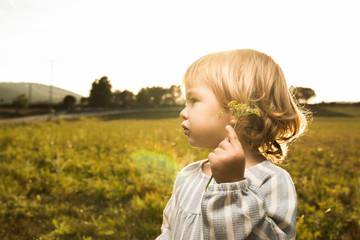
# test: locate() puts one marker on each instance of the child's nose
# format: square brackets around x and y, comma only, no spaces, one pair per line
[184,114]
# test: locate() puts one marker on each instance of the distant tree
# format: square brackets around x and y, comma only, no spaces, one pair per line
[177,94]
[69,102]
[84,102]
[156,95]
[172,96]
[116,98]
[143,98]
[100,93]
[168,98]
[20,102]
[303,94]
[123,98]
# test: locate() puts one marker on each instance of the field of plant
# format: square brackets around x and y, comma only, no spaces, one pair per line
[111,177]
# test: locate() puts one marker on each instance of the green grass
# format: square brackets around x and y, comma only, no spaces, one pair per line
[110,177]
[325,166]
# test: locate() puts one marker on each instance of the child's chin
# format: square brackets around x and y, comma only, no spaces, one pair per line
[200,145]
[194,143]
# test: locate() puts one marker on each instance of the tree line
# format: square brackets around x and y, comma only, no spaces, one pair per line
[101,95]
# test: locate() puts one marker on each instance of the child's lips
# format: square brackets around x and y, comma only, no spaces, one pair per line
[186,130]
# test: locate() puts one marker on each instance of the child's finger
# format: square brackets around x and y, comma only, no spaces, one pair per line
[232,134]
[218,151]
[225,143]
[211,156]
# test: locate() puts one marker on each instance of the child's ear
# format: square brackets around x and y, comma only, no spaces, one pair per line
[232,120]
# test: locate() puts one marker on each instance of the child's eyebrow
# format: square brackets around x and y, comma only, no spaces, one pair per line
[191,95]
[191,92]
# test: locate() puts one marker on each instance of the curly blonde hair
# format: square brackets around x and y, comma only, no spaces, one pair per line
[254,78]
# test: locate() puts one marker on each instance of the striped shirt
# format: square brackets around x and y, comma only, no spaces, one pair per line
[262,206]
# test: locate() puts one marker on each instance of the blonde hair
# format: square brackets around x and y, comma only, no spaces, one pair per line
[254,78]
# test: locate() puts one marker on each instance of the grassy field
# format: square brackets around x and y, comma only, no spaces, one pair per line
[110,177]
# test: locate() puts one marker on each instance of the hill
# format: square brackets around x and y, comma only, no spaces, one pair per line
[39,92]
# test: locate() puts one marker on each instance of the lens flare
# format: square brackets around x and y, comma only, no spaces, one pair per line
[156,169]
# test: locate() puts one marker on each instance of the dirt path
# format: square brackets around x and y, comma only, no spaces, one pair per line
[64,115]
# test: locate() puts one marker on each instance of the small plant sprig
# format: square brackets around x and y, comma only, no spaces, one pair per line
[238,110]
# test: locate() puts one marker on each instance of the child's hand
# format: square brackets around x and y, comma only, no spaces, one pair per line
[227,162]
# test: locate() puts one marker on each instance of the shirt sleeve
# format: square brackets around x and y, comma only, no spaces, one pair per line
[241,210]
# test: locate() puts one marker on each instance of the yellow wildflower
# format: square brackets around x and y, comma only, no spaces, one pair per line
[242,109]
[220,115]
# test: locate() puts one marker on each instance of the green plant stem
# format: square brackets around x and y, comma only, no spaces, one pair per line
[207,185]
[237,120]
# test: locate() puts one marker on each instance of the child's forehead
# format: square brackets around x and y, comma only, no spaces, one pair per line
[199,92]
[192,91]
[194,88]
[194,82]
[191,82]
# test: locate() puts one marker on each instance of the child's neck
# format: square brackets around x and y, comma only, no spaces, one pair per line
[251,157]
[253,160]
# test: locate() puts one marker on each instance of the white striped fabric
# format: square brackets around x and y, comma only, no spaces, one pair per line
[263,206]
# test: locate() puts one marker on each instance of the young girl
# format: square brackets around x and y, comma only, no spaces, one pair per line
[248,197]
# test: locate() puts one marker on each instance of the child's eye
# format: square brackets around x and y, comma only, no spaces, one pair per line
[193,100]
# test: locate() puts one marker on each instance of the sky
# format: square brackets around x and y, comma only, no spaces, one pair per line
[140,43]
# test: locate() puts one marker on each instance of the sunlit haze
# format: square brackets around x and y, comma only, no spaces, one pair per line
[151,43]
